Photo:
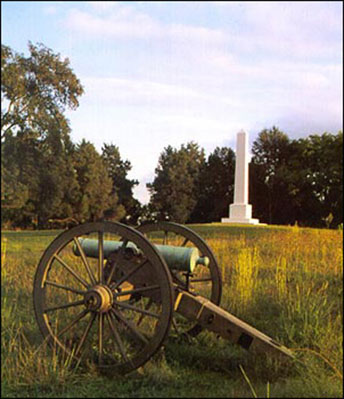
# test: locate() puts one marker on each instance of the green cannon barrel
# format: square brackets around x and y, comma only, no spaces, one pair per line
[178,258]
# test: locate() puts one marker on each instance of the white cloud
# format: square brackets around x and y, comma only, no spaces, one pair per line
[122,23]
[292,29]
[50,10]
[195,33]
[102,6]
[131,92]
[126,22]
[118,90]
[267,30]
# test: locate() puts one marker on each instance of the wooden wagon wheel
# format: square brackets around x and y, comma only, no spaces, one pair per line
[205,280]
[86,312]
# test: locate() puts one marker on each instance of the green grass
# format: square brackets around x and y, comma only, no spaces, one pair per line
[285,281]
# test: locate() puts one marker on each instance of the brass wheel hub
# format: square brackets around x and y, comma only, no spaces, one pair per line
[99,298]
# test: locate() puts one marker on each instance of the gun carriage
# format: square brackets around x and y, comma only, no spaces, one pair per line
[108,293]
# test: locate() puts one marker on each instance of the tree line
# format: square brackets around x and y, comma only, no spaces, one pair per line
[48,181]
[290,181]
[45,177]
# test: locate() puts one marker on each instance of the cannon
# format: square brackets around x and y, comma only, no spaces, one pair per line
[110,294]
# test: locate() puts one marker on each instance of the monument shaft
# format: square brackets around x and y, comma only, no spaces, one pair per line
[241,170]
[240,211]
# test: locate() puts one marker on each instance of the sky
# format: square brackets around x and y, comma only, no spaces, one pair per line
[165,73]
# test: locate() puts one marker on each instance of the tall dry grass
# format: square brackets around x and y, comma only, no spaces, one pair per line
[287,282]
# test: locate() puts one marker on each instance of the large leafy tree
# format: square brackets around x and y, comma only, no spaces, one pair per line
[122,186]
[35,92]
[175,189]
[216,186]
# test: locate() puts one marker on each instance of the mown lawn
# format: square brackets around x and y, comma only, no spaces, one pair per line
[285,281]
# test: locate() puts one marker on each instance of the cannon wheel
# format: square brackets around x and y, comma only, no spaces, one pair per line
[84,312]
[203,281]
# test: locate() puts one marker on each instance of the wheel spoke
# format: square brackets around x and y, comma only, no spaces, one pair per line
[130,325]
[67,305]
[113,267]
[117,337]
[129,274]
[64,264]
[101,257]
[84,336]
[64,287]
[73,322]
[148,305]
[84,259]
[174,324]
[135,309]
[185,242]
[100,337]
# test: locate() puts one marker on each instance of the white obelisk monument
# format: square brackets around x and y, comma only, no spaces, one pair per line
[240,211]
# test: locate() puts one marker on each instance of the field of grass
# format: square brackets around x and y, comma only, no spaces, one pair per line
[285,281]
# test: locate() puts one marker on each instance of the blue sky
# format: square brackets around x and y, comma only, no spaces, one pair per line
[160,73]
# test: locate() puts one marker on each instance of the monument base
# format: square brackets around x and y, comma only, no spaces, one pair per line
[240,221]
[240,213]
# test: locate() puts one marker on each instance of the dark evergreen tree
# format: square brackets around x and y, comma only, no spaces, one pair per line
[317,168]
[121,186]
[216,186]
[95,193]
[270,190]
[176,186]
